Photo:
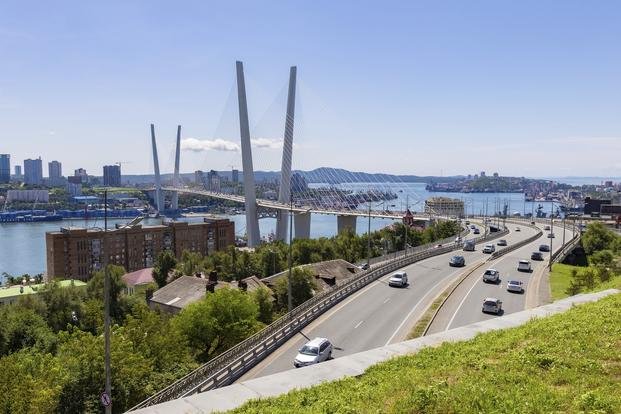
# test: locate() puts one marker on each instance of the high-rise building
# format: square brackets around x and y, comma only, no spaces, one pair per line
[81,172]
[482,174]
[5,168]
[198,177]
[55,169]
[33,171]
[18,171]
[235,175]
[213,181]
[112,175]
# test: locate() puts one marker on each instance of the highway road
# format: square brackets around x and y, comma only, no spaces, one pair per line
[463,307]
[378,314]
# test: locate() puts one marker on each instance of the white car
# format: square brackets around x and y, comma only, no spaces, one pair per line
[546,228]
[502,242]
[313,352]
[492,305]
[399,279]
[491,275]
[489,248]
[515,286]
[523,266]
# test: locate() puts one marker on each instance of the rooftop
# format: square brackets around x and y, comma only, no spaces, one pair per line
[30,289]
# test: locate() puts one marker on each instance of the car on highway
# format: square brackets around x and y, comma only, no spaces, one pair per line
[536,256]
[364,266]
[469,246]
[515,286]
[544,248]
[489,248]
[492,305]
[491,276]
[532,222]
[550,235]
[313,352]
[399,279]
[472,226]
[502,242]
[476,231]
[467,222]
[517,229]
[457,261]
[546,227]
[523,266]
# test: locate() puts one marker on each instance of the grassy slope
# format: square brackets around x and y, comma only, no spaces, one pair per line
[566,363]
[560,276]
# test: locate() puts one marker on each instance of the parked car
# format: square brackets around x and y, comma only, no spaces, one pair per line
[364,266]
[524,266]
[399,279]
[457,261]
[491,275]
[544,248]
[313,352]
[550,235]
[536,256]
[492,305]
[476,231]
[502,242]
[546,227]
[515,286]
[489,248]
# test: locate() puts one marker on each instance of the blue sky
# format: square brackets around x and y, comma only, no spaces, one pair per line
[523,88]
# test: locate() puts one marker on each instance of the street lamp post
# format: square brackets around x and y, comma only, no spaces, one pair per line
[108,370]
[406,225]
[369,239]
[289,298]
[551,233]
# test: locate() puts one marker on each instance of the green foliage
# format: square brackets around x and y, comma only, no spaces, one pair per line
[302,287]
[217,322]
[95,290]
[565,363]
[31,382]
[164,263]
[24,328]
[264,300]
[597,237]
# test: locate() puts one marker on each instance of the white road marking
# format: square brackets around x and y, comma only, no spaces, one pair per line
[358,324]
[387,300]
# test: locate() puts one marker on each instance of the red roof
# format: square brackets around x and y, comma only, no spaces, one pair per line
[139,277]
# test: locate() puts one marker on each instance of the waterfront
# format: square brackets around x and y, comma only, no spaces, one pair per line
[22,245]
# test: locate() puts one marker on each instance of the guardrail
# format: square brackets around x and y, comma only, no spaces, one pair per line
[233,363]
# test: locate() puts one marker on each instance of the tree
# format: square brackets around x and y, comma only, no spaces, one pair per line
[63,304]
[302,287]
[23,328]
[597,237]
[164,263]
[265,302]
[219,321]
[190,263]
[95,290]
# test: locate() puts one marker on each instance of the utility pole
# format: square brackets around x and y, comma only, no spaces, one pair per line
[369,239]
[406,225]
[563,245]
[108,385]
[289,298]
[551,232]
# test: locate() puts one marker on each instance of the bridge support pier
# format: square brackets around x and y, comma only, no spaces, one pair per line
[175,195]
[302,222]
[343,223]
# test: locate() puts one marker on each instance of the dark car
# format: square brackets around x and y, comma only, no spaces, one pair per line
[544,248]
[476,231]
[457,261]
[536,256]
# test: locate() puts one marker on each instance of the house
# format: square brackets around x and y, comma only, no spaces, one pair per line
[134,281]
[179,293]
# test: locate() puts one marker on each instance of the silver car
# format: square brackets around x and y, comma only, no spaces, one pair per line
[399,279]
[489,248]
[515,286]
[492,305]
[313,352]
[491,275]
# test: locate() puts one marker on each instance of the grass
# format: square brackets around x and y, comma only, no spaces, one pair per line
[569,362]
[560,277]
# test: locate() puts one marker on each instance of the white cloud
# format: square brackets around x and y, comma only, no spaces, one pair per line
[197,145]
[266,143]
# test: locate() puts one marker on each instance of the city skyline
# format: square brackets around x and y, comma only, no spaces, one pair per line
[439,90]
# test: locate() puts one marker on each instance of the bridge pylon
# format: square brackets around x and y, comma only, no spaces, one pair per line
[175,195]
[284,195]
[252,220]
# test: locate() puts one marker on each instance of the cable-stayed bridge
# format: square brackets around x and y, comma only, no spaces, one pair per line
[340,201]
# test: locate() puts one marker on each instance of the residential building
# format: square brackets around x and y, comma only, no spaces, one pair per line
[444,206]
[5,168]
[74,189]
[33,171]
[112,175]
[34,196]
[55,173]
[18,172]
[213,181]
[78,252]
[198,177]
[235,175]
[82,174]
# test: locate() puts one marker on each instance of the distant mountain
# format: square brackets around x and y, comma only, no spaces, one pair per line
[318,175]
